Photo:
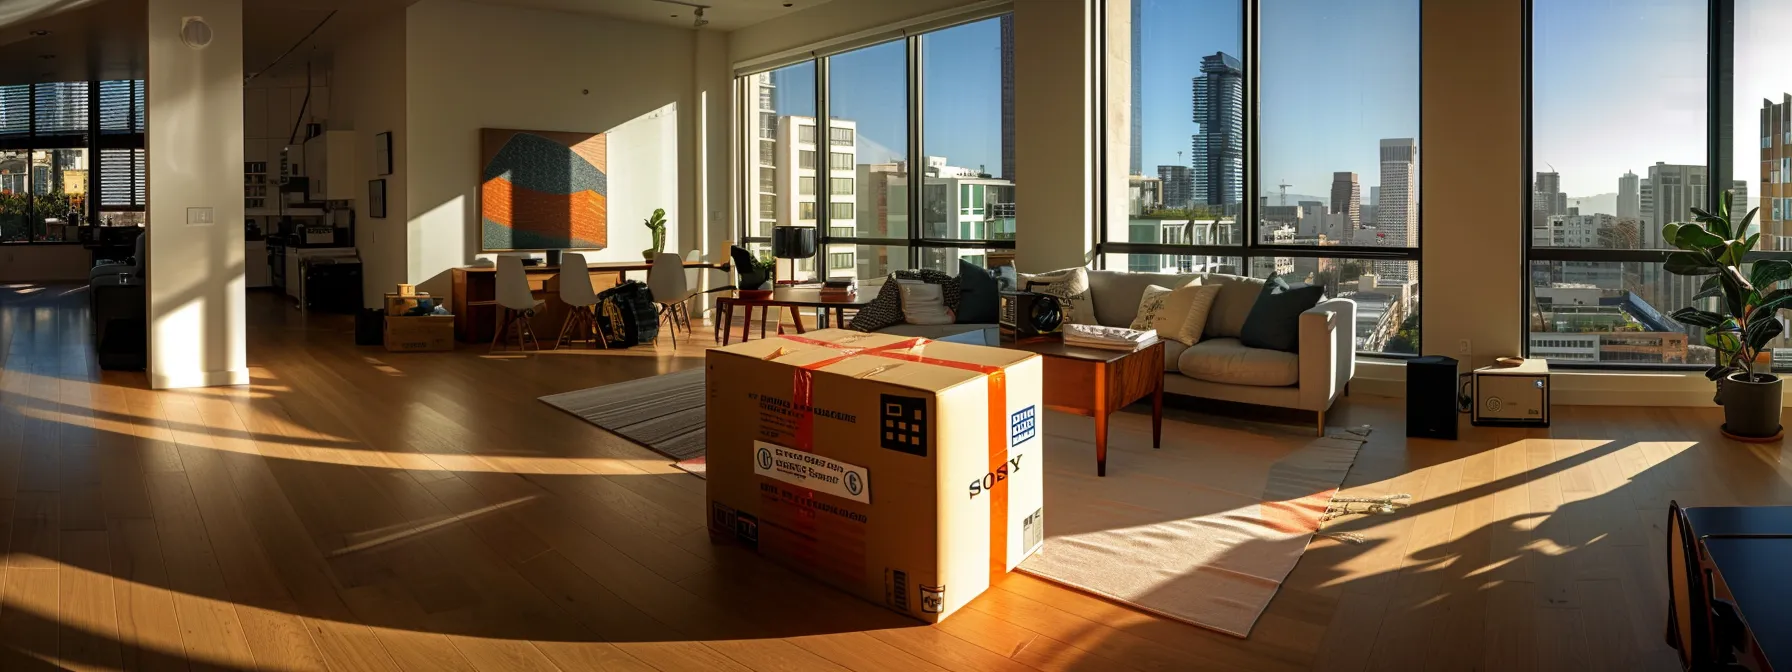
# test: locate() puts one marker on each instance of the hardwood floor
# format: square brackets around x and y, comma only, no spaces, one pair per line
[355,509]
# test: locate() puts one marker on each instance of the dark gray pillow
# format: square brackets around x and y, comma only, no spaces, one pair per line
[980,302]
[1274,322]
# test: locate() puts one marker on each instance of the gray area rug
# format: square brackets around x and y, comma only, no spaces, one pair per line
[664,413]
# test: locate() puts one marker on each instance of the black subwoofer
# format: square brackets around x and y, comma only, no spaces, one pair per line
[1431,397]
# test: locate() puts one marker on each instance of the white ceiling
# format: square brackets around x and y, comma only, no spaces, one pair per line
[106,39]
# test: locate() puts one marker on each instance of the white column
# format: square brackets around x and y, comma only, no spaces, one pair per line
[1052,127]
[195,159]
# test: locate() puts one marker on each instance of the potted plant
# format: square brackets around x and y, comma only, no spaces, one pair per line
[1745,319]
[656,224]
[757,276]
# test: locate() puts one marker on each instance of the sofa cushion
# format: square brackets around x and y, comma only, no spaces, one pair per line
[1173,356]
[980,301]
[1225,360]
[884,309]
[1233,305]
[923,303]
[1116,297]
[1274,322]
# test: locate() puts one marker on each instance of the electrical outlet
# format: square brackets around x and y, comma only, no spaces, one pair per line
[1464,347]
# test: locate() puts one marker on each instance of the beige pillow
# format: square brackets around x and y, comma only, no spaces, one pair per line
[1200,303]
[1177,314]
[1071,286]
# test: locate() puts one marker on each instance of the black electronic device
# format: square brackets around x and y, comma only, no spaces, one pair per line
[1028,314]
[1431,391]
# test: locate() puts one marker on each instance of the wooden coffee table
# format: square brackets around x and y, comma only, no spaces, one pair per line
[1094,382]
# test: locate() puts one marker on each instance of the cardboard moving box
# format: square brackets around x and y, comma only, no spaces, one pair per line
[424,333]
[399,304]
[905,471]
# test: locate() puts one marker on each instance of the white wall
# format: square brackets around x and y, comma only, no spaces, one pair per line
[195,160]
[471,66]
[370,99]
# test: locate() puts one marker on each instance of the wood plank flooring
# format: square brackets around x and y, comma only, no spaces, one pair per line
[355,509]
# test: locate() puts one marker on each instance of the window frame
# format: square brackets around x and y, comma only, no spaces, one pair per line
[1719,126]
[92,138]
[1249,215]
[914,244]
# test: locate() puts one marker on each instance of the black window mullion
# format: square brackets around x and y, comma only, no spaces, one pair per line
[824,168]
[94,177]
[1720,86]
[917,176]
[1247,209]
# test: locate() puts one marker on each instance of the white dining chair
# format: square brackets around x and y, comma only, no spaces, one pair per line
[516,304]
[576,291]
[666,281]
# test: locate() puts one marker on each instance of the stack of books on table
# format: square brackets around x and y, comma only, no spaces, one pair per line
[839,287]
[1107,338]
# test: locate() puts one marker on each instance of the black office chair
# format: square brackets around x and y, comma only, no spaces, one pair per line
[1705,631]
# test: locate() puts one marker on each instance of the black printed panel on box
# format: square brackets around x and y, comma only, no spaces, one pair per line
[902,424]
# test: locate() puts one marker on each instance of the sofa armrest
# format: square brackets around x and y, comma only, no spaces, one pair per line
[1327,352]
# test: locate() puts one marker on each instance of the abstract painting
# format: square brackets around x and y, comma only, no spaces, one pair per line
[542,190]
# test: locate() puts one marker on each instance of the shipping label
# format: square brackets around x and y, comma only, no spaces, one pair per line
[815,472]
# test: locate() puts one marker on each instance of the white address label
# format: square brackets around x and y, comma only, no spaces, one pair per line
[812,471]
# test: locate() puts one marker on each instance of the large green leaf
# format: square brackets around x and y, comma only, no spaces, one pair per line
[1671,231]
[1690,263]
[1696,238]
[1769,271]
[1761,331]
[1694,317]
[1772,301]
[1742,229]
[1737,290]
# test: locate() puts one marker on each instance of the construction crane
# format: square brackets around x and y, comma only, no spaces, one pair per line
[1284,185]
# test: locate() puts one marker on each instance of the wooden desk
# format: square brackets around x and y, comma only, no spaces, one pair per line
[787,298]
[476,294]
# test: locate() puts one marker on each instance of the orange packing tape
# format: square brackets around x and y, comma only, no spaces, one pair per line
[998,412]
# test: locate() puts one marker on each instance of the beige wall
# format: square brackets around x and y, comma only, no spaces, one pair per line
[471,66]
[1472,201]
[1052,127]
[370,90]
[195,160]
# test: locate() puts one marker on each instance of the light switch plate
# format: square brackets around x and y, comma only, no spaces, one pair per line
[200,217]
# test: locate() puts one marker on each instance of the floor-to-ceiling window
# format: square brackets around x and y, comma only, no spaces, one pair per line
[1622,143]
[1276,137]
[50,137]
[854,179]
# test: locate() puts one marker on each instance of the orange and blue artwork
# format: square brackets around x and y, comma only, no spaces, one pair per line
[542,190]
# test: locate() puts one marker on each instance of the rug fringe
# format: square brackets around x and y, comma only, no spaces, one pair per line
[1385,505]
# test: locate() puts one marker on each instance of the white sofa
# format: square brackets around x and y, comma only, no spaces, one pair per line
[1219,367]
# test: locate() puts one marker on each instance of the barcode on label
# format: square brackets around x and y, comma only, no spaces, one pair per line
[1032,531]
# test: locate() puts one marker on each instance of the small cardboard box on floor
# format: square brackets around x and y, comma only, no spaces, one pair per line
[905,471]
[422,333]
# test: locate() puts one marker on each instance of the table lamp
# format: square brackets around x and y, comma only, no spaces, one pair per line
[793,242]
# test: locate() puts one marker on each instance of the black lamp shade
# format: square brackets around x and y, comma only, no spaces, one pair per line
[793,242]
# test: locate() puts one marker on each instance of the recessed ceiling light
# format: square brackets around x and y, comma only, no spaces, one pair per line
[46,56]
[39,32]
[787,4]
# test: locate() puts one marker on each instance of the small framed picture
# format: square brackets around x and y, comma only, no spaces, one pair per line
[382,153]
[376,199]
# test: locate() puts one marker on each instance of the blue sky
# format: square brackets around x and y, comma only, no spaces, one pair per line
[963,113]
